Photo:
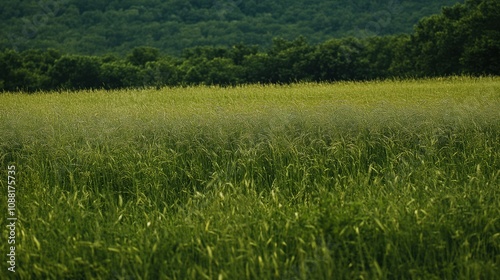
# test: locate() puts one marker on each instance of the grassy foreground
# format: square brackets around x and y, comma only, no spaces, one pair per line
[382,180]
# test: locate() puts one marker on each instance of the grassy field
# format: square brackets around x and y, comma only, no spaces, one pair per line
[379,180]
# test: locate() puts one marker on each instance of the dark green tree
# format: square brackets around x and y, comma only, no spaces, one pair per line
[238,52]
[10,62]
[383,56]
[222,71]
[26,71]
[437,45]
[161,73]
[76,72]
[482,48]
[119,74]
[142,55]
[464,38]
[290,61]
[341,59]
[205,52]
[255,68]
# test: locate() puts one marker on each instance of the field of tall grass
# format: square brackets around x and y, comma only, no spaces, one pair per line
[376,180]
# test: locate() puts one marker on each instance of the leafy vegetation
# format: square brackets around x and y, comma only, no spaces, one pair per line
[307,181]
[101,27]
[462,40]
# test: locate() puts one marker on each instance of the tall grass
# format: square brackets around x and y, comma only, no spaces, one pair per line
[310,181]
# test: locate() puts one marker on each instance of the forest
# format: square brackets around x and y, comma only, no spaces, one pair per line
[100,27]
[463,39]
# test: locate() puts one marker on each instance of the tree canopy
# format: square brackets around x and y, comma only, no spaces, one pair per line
[462,39]
[100,27]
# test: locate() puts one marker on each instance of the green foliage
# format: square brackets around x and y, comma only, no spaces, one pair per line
[119,74]
[341,59]
[289,61]
[26,71]
[161,73]
[141,56]
[463,39]
[374,180]
[76,72]
[99,27]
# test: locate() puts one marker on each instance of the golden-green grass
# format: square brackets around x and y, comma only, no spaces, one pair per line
[377,180]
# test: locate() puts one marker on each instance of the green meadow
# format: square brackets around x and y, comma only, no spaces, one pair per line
[365,180]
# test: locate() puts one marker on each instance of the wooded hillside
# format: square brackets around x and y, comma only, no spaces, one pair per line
[97,27]
[463,39]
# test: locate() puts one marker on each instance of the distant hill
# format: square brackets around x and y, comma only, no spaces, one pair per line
[97,27]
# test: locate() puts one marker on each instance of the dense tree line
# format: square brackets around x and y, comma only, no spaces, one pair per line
[463,39]
[96,27]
